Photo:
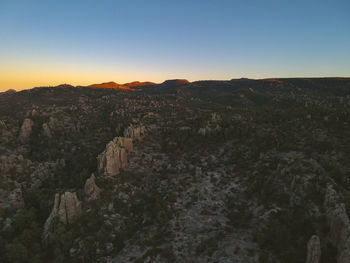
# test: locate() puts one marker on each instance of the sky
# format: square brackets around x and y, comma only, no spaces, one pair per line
[50,42]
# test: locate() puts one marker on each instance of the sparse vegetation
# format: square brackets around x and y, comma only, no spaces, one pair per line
[223,173]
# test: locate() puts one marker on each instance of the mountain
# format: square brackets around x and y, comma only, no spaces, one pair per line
[175,82]
[139,84]
[110,85]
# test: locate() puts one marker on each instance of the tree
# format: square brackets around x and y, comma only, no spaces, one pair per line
[17,252]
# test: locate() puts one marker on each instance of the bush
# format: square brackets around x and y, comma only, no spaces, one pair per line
[17,252]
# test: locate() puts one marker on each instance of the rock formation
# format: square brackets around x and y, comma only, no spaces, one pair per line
[203,131]
[67,208]
[46,130]
[70,208]
[339,224]
[26,130]
[135,132]
[313,250]
[114,156]
[48,227]
[91,190]
[2,124]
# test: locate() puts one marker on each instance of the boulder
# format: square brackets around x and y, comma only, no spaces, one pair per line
[114,156]
[313,250]
[26,130]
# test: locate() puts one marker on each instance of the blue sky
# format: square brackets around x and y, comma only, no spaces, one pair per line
[83,42]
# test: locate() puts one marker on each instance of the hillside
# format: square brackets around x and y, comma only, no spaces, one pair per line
[207,171]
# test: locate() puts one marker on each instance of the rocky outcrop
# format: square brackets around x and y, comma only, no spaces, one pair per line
[49,226]
[313,250]
[35,112]
[208,130]
[26,130]
[114,157]
[46,130]
[339,224]
[67,208]
[91,190]
[215,117]
[3,124]
[135,132]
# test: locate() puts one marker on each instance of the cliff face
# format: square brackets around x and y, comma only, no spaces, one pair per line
[114,157]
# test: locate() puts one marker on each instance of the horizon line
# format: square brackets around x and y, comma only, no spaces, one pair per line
[158,83]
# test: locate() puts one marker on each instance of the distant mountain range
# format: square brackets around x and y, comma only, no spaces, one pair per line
[126,86]
[223,88]
[137,84]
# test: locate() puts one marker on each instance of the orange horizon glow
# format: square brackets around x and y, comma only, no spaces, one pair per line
[26,74]
[27,79]
[21,82]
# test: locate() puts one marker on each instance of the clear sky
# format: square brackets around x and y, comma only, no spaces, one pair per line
[49,42]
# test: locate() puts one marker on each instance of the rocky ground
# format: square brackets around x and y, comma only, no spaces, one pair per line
[230,171]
